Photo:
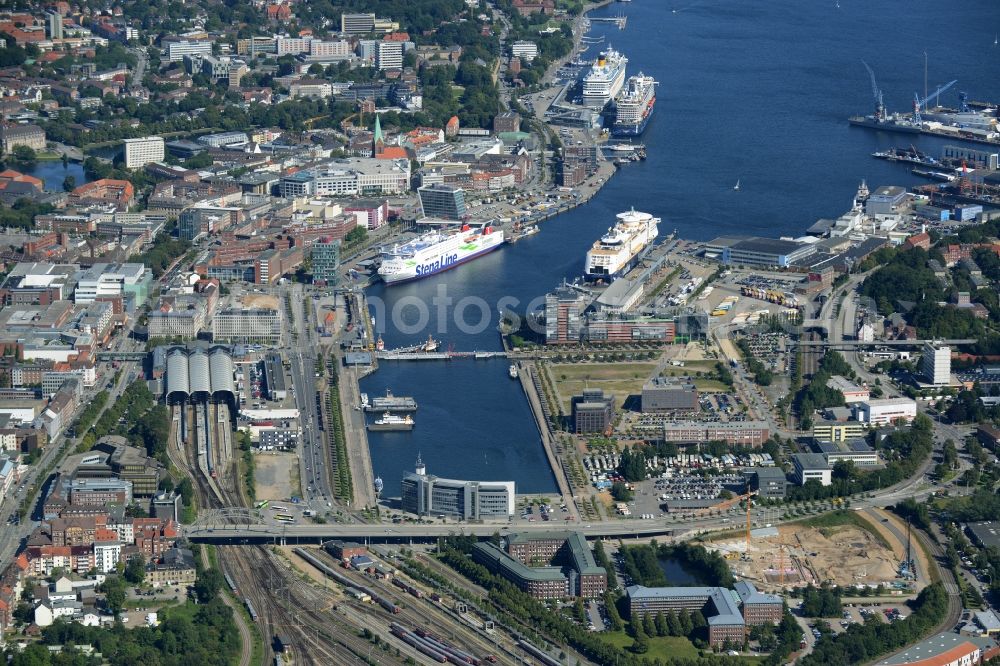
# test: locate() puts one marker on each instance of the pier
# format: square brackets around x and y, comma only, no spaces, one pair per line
[621,20]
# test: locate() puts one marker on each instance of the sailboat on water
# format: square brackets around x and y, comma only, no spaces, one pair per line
[737,185]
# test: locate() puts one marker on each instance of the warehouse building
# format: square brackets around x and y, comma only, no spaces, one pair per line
[664,394]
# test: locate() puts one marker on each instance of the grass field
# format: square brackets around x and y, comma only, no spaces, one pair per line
[666,648]
[844,518]
[618,379]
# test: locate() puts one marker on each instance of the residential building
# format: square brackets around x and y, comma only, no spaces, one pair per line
[947,649]
[564,321]
[508,121]
[54,23]
[592,412]
[442,201]
[427,495]
[935,364]
[812,466]
[316,88]
[371,214]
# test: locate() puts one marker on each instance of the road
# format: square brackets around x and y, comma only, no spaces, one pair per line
[11,537]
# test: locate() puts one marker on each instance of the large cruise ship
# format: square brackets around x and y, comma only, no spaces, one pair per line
[617,250]
[605,78]
[437,251]
[634,106]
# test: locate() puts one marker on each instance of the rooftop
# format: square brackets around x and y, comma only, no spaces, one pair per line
[939,650]
[811,461]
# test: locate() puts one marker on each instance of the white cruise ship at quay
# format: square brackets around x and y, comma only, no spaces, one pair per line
[437,251]
[618,249]
[605,78]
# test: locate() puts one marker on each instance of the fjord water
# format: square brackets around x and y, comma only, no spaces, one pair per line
[755,92]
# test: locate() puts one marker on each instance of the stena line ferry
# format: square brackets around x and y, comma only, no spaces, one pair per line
[437,251]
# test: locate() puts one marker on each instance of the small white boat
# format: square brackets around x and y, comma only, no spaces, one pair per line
[512,371]
[737,185]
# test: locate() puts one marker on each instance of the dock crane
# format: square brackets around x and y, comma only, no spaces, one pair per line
[877,94]
[919,104]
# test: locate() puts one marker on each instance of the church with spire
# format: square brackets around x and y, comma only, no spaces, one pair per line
[378,141]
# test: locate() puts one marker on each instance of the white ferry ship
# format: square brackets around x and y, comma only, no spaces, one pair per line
[634,106]
[437,251]
[618,249]
[605,78]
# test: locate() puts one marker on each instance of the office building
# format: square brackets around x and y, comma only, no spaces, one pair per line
[948,649]
[247,325]
[13,136]
[664,394]
[769,482]
[140,152]
[99,491]
[593,412]
[851,391]
[388,55]
[727,621]
[176,50]
[546,565]
[812,466]
[838,431]
[508,121]
[767,252]
[130,282]
[428,495]
[349,177]
[442,201]
[526,51]
[886,411]
[737,433]
[357,24]
[325,260]
[935,364]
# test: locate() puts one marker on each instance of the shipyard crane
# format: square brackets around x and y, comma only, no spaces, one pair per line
[919,104]
[877,94]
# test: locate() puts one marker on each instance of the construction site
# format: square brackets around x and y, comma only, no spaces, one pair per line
[848,552]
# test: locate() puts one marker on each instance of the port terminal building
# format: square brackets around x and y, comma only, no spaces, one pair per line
[567,566]
[424,494]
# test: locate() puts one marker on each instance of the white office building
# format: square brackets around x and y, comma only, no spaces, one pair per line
[812,466]
[140,152]
[389,55]
[113,280]
[526,51]
[247,325]
[357,24]
[177,50]
[935,365]
[357,176]
[886,411]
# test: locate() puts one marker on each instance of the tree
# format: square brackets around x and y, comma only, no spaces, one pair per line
[114,594]
[673,628]
[649,624]
[356,235]
[662,629]
[25,156]
[135,570]
[208,584]
[69,183]
[684,622]
[620,492]
[641,644]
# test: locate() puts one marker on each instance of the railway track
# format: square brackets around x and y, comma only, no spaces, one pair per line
[289,606]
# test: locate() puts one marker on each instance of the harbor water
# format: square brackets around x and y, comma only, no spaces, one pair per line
[757,93]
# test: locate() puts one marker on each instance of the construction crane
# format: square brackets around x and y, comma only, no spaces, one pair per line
[919,104]
[877,94]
